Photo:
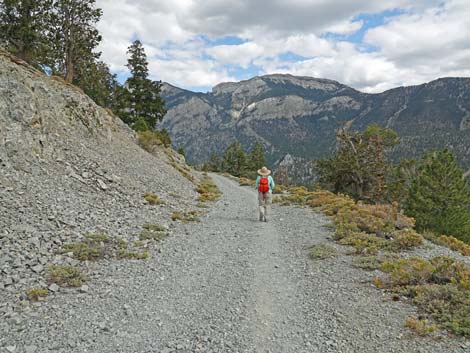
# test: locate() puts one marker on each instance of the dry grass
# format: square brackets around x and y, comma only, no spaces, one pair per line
[421,327]
[98,246]
[34,294]
[153,199]
[152,235]
[186,217]
[65,276]
[207,190]
[242,181]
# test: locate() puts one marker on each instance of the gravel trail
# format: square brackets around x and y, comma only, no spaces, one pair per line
[227,284]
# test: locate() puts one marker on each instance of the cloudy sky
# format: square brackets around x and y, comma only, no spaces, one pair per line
[371,45]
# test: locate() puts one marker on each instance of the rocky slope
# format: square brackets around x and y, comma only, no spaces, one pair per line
[299,116]
[68,168]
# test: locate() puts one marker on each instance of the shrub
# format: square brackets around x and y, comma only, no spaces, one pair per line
[153,199]
[440,287]
[35,293]
[97,246]
[455,244]
[136,255]
[150,235]
[93,247]
[154,227]
[370,263]
[363,243]
[420,327]
[406,272]
[407,239]
[322,251]
[448,305]
[188,216]
[66,276]
[208,190]
[365,218]
[84,251]
[148,140]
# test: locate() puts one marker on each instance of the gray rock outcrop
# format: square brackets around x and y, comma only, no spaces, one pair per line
[67,168]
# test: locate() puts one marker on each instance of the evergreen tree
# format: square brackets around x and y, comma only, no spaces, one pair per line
[214,164]
[141,96]
[73,36]
[439,197]
[234,161]
[359,166]
[399,180]
[23,28]
[256,158]
[98,82]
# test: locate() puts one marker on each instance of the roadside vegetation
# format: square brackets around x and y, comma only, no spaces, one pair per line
[100,246]
[207,189]
[381,211]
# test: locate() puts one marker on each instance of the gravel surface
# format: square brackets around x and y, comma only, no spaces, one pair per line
[226,284]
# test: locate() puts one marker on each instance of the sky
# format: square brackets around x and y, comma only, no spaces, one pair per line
[370,45]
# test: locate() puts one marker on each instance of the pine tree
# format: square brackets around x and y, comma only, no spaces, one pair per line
[359,166]
[439,197]
[98,82]
[73,36]
[214,164]
[141,96]
[256,158]
[23,28]
[234,159]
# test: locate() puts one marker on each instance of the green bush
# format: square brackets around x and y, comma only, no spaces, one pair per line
[35,293]
[322,251]
[65,276]
[440,287]
[439,198]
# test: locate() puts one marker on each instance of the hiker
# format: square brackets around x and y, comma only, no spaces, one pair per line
[265,186]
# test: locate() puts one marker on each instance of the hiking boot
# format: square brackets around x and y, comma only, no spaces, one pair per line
[264,219]
[261,218]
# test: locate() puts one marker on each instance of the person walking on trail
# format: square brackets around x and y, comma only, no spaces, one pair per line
[265,186]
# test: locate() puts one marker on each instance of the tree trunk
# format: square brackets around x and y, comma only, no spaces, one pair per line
[69,67]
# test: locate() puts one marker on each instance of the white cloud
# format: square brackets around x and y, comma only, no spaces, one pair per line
[242,54]
[348,27]
[428,40]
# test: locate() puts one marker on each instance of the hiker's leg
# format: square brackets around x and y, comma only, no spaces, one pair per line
[261,203]
[269,201]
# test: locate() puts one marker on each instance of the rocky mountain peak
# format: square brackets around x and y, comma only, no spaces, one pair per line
[299,115]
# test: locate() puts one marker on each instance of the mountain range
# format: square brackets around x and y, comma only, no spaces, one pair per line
[299,116]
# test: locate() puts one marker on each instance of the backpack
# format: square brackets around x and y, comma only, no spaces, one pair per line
[263,185]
